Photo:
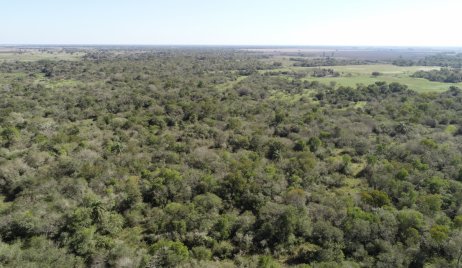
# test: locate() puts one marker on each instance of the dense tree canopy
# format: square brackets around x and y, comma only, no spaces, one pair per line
[196,158]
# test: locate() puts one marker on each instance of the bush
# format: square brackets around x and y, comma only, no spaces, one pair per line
[169,253]
[201,253]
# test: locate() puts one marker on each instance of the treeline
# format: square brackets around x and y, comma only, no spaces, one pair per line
[324,61]
[318,72]
[447,75]
[150,159]
[442,60]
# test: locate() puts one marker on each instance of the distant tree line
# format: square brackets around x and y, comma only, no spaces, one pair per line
[325,61]
[318,72]
[442,60]
[447,75]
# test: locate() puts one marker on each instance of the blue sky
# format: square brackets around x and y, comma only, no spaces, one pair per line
[237,22]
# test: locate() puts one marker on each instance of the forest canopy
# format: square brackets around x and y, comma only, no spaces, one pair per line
[199,158]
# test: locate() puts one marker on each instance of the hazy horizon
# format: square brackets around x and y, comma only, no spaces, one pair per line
[229,45]
[362,23]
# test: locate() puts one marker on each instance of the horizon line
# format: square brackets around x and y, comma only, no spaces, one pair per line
[226,45]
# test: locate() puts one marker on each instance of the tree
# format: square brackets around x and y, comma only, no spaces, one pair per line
[10,135]
[169,253]
[376,198]
[275,150]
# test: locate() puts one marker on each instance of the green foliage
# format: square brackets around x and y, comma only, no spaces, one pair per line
[9,135]
[267,262]
[402,174]
[410,219]
[376,198]
[436,185]
[314,144]
[443,75]
[162,186]
[201,253]
[223,250]
[275,150]
[458,221]
[281,225]
[83,241]
[169,253]
[162,157]
[300,146]
[439,233]
[430,204]
[440,59]
[37,252]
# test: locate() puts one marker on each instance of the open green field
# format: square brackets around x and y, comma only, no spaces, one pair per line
[351,75]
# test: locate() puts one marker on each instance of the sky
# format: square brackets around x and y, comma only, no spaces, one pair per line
[232,22]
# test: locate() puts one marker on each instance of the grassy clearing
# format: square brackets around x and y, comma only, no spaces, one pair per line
[417,84]
[351,75]
[385,69]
